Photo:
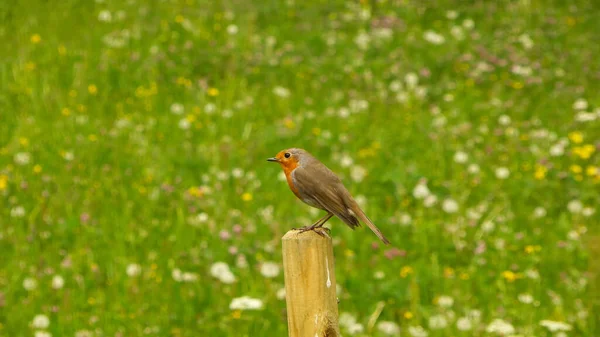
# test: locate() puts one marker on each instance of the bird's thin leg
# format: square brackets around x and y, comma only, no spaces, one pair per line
[317,224]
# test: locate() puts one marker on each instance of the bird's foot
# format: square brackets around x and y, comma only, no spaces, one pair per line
[317,229]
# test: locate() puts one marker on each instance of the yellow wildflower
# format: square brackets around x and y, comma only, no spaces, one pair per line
[65,112]
[93,138]
[575,169]
[179,18]
[24,141]
[62,50]
[448,272]
[316,131]
[576,137]
[540,172]
[3,182]
[195,192]
[585,151]
[289,123]
[213,92]
[349,252]
[405,271]
[509,275]
[464,276]
[591,170]
[30,66]
[247,196]
[236,314]
[408,315]
[36,38]
[37,169]
[517,85]
[92,89]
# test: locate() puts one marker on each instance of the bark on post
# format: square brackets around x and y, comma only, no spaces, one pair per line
[310,284]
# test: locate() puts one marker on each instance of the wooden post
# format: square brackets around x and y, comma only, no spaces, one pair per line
[310,284]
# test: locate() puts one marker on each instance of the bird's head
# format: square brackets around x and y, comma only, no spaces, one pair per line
[289,159]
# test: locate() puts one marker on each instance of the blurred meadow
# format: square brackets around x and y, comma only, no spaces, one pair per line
[136,200]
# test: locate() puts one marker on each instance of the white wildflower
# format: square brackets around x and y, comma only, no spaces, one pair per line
[445,301]
[246,303]
[468,24]
[433,37]
[450,205]
[539,212]
[464,324]
[488,226]
[190,277]
[451,14]
[281,92]
[355,329]
[504,120]
[210,108]
[133,269]
[473,168]
[177,108]
[411,80]
[358,173]
[526,41]
[502,173]
[84,333]
[580,104]
[588,211]
[395,86]
[388,328]
[575,206]
[430,200]
[105,16]
[457,32]
[438,322]
[17,212]
[461,157]
[269,269]
[557,150]
[184,124]
[405,219]
[421,190]
[237,172]
[417,331]
[57,282]
[525,298]
[346,319]
[177,275]
[40,322]
[42,334]
[232,29]
[221,271]
[29,283]
[362,40]
[22,158]
[500,327]
[346,160]
[280,294]
[555,326]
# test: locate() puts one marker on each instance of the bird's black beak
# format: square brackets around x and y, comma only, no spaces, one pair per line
[273,159]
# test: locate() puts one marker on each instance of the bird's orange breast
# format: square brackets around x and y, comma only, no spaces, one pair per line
[288,168]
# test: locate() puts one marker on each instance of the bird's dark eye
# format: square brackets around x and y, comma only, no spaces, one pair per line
[287,155]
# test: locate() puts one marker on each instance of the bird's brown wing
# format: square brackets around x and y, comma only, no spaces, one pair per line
[320,184]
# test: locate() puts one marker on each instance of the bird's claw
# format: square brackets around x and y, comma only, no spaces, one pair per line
[317,229]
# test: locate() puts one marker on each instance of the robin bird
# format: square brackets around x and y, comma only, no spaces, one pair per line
[316,185]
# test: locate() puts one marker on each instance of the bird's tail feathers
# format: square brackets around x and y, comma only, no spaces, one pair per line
[364,218]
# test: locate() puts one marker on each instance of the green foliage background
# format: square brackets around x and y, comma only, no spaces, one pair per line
[136,133]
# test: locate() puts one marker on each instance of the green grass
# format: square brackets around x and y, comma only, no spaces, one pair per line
[141,140]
